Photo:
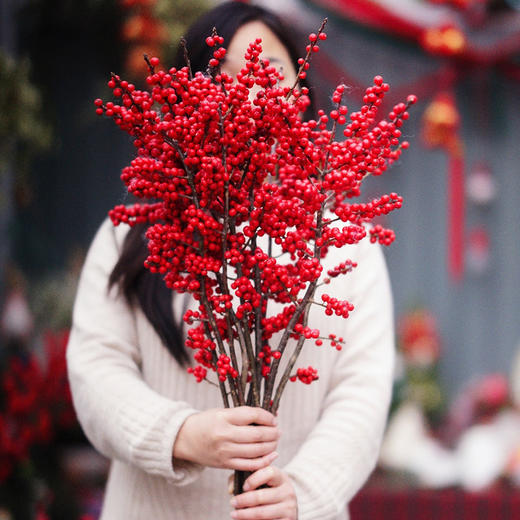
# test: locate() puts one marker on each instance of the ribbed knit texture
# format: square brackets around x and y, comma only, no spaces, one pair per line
[132,398]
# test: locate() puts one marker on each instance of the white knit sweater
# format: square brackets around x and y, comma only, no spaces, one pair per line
[132,397]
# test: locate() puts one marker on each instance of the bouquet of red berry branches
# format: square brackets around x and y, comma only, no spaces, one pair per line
[243,201]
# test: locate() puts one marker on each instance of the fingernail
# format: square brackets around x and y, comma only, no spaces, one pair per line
[233,501]
[234,514]
[246,486]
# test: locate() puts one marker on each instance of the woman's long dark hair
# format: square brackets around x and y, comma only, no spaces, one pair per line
[136,282]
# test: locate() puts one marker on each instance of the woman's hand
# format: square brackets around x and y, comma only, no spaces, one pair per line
[242,438]
[278,501]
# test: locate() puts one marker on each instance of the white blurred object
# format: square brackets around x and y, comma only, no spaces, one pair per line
[434,465]
[405,427]
[408,447]
[484,450]
[17,319]
[514,378]
[481,186]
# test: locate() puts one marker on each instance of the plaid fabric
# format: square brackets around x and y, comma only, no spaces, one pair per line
[412,504]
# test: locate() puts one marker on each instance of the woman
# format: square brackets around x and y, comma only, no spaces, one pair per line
[167,436]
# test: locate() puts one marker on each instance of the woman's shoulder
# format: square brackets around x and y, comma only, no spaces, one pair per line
[109,235]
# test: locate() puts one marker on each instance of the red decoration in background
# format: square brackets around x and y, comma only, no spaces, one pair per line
[419,337]
[460,31]
[446,40]
[143,32]
[36,402]
[443,35]
[372,14]
[478,250]
[456,214]
[478,402]
[131,4]
[143,27]
[459,4]
[441,121]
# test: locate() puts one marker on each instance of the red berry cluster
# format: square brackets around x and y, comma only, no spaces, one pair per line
[342,268]
[338,307]
[306,375]
[244,199]
[199,372]
[266,356]
[224,368]
[381,235]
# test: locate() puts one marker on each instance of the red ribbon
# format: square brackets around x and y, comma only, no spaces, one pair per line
[456,213]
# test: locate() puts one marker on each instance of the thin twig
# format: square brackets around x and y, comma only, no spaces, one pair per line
[186,56]
[212,327]
[307,59]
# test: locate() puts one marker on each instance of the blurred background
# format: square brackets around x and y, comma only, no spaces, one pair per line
[453,442]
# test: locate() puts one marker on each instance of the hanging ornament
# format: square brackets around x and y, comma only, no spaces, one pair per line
[440,125]
[481,187]
[441,121]
[448,40]
[143,27]
[478,250]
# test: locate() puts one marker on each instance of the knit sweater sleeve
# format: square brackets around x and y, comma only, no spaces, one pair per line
[342,449]
[120,414]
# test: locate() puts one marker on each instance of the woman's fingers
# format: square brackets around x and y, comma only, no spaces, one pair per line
[251,451]
[252,464]
[269,476]
[276,502]
[267,512]
[244,415]
[255,498]
[248,434]
[228,438]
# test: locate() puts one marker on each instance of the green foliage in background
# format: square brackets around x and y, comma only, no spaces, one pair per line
[23,130]
[177,17]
